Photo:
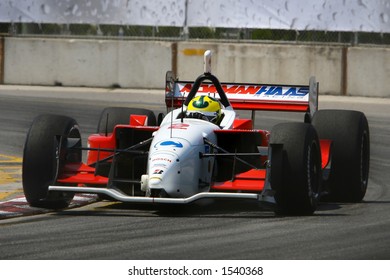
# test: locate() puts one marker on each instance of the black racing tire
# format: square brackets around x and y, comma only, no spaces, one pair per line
[350,134]
[296,174]
[160,118]
[112,116]
[45,153]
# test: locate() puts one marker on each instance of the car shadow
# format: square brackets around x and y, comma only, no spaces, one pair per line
[218,208]
[205,209]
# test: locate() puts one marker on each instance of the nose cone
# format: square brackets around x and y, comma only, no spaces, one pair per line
[174,164]
[164,172]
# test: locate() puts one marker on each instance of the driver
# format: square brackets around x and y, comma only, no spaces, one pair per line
[205,107]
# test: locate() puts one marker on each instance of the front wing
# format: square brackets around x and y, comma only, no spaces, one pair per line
[120,196]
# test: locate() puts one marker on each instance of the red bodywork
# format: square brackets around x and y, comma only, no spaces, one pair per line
[84,174]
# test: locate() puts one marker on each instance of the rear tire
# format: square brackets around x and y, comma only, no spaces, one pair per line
[295,168]
[112,116]
[349,132]
[45,153]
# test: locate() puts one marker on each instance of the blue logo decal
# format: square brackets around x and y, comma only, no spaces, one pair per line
[172,143]
[283,91]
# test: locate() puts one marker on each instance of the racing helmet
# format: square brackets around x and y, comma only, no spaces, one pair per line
[205,107]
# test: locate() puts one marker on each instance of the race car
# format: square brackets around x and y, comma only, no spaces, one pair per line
[202,149]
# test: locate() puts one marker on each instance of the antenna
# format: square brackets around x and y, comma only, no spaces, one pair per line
[172,114]
[171,86]
[207,62]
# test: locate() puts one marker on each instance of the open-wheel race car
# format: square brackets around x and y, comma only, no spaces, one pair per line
[201,149]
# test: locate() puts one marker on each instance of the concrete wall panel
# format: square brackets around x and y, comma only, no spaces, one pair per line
[368,72]
[265,63]
[142,64]
[92,63]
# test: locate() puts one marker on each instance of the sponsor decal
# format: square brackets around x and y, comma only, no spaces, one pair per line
[170,144]
[252,91]
[161,159]
[283,91]
[179,126]
[158,171]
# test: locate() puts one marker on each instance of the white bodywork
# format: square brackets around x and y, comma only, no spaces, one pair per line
[174,164]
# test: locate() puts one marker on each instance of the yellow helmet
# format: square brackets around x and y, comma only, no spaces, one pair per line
[206,107]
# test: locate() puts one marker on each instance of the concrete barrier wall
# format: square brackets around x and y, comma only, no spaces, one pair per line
[142,64]
[266,63]
[91,63]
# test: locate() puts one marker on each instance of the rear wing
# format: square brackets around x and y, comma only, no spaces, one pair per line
[294,98]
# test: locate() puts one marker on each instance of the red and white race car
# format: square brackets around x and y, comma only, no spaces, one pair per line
[201,149]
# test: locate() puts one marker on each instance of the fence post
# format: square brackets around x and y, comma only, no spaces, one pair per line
[344,70]
[174,58]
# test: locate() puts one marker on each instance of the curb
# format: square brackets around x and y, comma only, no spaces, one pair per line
[19,206]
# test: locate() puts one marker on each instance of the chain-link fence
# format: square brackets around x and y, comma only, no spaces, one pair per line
[192,33]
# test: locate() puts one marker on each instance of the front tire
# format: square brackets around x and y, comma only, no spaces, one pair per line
[45,153]
[295,168]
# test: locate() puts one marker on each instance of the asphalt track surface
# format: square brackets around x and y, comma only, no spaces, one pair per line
[211,230]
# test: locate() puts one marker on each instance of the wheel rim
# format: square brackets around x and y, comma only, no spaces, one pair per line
[63,155]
